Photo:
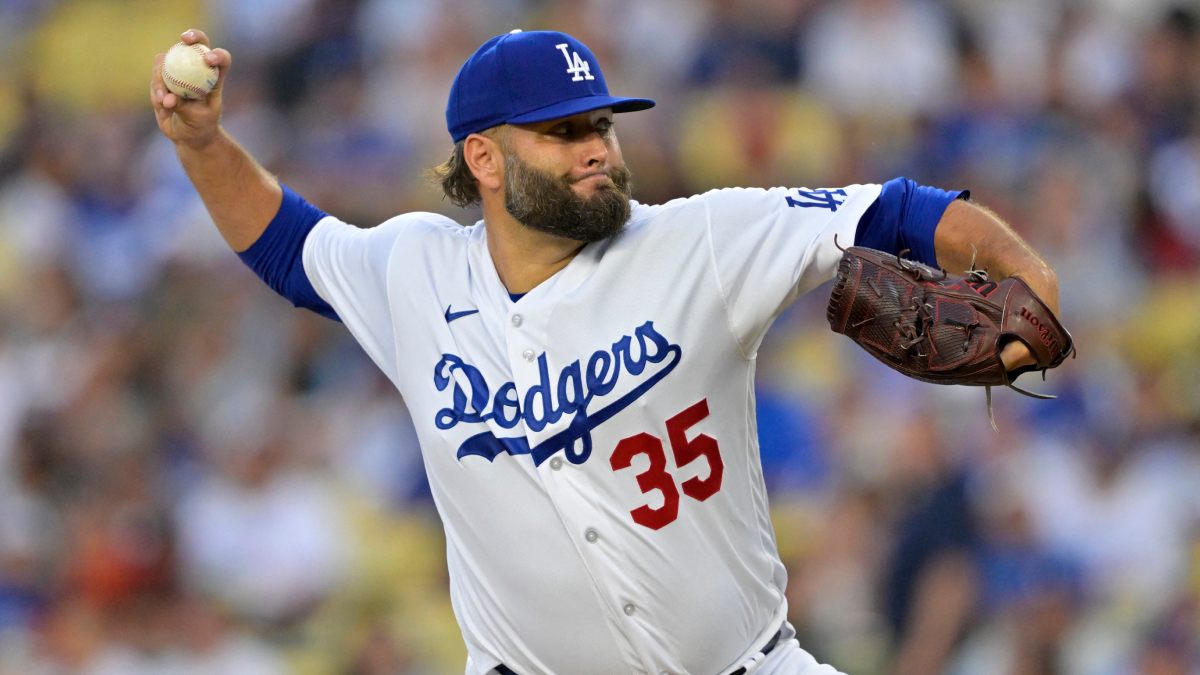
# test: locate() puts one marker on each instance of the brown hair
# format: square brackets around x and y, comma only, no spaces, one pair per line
[455,177]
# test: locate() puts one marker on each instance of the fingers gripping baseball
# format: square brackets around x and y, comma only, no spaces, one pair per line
[191,122]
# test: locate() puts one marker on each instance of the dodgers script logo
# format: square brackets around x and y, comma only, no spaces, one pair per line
[575,388]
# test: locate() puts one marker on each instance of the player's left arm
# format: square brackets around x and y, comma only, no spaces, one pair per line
[968,231]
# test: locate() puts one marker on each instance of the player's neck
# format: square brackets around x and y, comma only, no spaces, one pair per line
[524,257]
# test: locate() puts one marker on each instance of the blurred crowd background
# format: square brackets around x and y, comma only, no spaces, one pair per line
[196,478]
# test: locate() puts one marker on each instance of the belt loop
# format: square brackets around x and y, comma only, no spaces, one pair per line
[755,661]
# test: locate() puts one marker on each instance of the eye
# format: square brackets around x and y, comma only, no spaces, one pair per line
[604,126]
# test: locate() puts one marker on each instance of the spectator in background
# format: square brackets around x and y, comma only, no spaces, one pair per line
[883,59]
[263,535]
[1163,95]
[1174,173]
[931,581]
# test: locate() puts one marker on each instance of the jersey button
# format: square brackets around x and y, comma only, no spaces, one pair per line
[516,319]
[528,354]
[591,535]
[556,463]
[629,608]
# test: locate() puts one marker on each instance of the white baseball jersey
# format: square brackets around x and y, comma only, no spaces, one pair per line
[591,448]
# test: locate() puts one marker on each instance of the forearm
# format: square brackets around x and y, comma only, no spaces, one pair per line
[968,230]
[241,196]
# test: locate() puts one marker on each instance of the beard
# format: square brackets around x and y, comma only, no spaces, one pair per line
[544,202]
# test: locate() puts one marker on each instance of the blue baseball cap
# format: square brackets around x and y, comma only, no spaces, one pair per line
[523,77]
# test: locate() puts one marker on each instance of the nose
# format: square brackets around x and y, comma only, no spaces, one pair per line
[594,150]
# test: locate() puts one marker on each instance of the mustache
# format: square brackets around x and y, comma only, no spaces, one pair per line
[619,175]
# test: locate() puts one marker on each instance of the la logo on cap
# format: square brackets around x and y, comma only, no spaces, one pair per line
[512,79]
[577,67]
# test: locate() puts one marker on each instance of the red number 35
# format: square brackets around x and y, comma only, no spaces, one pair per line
[656,477]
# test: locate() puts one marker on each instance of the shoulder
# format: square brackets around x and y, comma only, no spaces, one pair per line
[693,214]
[679,209]
[413,222]
[756,198]
[415,238]
[693,202]
[678,220]
[746,203]
[751,213]
[412,226]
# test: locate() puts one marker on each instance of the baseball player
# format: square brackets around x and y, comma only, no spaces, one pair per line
[580,366]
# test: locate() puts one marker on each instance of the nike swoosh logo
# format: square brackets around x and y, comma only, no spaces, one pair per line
[450,316]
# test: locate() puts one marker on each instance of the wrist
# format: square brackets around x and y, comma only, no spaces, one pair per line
[199,144]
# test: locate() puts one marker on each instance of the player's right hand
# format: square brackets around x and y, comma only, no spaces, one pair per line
[192,124]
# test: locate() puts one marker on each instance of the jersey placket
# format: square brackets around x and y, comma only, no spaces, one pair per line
[526,325]
[568,486]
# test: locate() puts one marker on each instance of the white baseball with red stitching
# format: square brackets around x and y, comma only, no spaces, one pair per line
[185,72]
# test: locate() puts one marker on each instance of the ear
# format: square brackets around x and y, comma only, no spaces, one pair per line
[485,160]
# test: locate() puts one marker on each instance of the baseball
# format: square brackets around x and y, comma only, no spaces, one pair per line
[185,73]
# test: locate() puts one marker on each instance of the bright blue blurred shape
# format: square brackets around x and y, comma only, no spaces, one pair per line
[793,453]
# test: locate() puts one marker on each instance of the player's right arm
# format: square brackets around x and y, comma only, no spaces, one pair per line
[310,258]
[241,196]
[266,223]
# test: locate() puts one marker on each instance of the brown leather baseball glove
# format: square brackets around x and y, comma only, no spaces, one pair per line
[941,328]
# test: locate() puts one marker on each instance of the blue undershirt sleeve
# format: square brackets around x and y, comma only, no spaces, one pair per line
[905,216]
[278,255]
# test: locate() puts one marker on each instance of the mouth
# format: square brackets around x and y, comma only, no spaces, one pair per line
[593,180]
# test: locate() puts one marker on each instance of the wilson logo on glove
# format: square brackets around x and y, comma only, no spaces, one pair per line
[1045,333]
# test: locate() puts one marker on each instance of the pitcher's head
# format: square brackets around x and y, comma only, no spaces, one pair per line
[542,139]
